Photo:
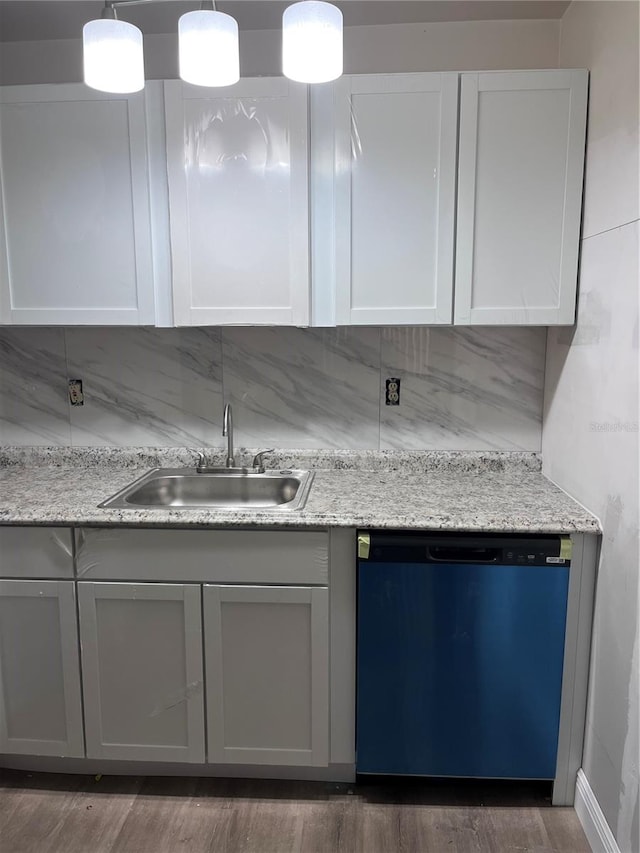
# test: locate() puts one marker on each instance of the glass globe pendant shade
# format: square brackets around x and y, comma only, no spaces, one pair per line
[208,51]
[312,42]
[112,56]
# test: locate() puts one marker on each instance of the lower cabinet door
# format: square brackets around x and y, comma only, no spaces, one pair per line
[40,704]
[267,674]
[142,671]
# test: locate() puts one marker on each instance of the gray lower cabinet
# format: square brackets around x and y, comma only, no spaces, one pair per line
[267,674]
[40,697]
[142,671]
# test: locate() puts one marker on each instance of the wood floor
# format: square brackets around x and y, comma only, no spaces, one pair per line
[49,813]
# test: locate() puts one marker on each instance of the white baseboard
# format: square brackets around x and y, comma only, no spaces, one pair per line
[593,821]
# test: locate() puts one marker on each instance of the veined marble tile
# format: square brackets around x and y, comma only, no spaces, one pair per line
[33,387]
[146,386]
[304,388]
[463,389]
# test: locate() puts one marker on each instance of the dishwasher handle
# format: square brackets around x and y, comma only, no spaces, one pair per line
[462,554]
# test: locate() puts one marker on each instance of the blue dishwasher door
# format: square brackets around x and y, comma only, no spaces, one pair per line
[460,669]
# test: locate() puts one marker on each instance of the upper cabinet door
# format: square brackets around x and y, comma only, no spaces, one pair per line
[76,246]
[238,196]
[394,199]
[522,137]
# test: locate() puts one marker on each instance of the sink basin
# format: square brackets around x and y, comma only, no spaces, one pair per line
[221,488]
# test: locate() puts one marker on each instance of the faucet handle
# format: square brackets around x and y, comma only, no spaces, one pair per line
[257,460]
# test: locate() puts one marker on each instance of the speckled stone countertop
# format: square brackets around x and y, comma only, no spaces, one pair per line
[407,490]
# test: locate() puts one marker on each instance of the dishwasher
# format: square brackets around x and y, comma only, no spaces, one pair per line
[460,644]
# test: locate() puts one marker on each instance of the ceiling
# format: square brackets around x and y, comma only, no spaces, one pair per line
[35,20]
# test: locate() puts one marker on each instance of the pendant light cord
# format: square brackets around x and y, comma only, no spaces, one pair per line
[111,6]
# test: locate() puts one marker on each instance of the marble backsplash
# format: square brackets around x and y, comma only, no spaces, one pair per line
[462,389]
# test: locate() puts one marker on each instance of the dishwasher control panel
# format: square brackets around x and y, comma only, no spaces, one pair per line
[485,549]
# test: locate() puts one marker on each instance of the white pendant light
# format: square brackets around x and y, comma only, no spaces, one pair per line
[208,52]
[312,42]
[112,54]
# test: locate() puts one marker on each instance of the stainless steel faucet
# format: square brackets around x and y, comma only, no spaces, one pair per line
[227,430]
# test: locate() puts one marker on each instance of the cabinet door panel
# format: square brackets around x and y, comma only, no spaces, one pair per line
[142,671]
[238,172]
[519,196]
[395,144]
[40,705]
[267,675]
[76,208]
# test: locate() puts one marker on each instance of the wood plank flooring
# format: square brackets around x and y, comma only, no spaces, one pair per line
[52,813]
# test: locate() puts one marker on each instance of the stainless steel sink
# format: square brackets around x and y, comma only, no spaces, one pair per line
[221,488]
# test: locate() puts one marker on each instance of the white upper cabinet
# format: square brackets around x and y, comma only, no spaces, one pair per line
[245,205]
[75,241]
[238,200]
[384,199]
[521,158]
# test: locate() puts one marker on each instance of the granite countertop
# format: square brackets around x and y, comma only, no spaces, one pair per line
[414,490]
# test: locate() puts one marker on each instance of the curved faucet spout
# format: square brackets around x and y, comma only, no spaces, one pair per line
[227,430]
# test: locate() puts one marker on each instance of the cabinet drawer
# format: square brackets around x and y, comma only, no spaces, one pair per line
[217,556]
[35,552]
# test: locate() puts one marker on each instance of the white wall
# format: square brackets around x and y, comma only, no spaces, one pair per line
[590,427]
[455,46]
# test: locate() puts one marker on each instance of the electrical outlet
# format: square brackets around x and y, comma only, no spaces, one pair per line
[76,397]
[392,392]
